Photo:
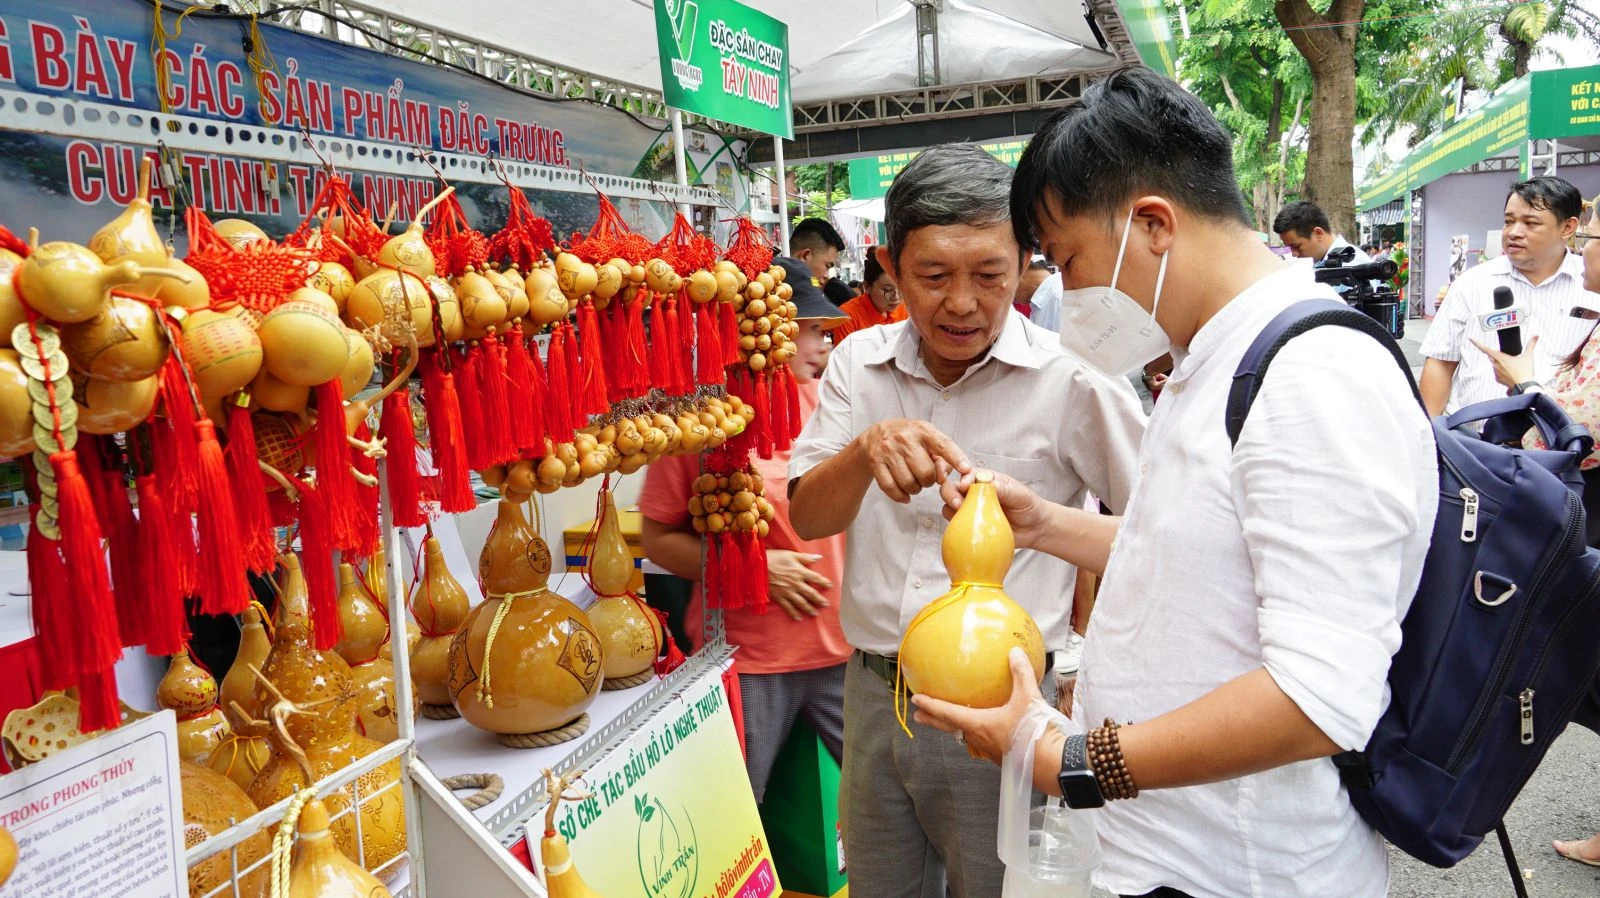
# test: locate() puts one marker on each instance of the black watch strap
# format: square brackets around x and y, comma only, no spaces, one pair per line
[1079,788]
[1525,386]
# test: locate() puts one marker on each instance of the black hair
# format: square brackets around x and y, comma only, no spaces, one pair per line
[1301,218]
[1133,132]
[1554,195]
[1369,248]
[815,233]
[950,184]
[871,271]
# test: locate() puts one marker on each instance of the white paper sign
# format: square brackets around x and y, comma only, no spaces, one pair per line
[104,818]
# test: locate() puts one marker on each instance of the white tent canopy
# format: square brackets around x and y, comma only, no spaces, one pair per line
[837,47]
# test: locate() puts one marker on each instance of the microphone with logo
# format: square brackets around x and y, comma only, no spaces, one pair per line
[1506,321]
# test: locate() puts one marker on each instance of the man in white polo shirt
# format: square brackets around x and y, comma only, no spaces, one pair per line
[1546,281]
[919,815]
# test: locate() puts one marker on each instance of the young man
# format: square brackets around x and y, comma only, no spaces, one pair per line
[1304,228]
[919,814]
[1541,216]
[816,244]
[791,664]
[1033,277]
[879,303]
[1253,595]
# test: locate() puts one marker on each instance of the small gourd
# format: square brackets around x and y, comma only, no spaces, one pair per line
[320,869]
[561,878]
[132,234]
[126,342]
[439,603]
[546,305]
[408,251]
[303,341]
[223,351]
[630,634]
[16,407]
[189,691]
[68,283]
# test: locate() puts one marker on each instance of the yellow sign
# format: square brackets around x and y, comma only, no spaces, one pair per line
[672,814]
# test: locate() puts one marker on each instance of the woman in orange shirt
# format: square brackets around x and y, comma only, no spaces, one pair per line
[879,302]
[791,664]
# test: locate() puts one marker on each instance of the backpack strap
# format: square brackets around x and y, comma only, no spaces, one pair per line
[1285,326]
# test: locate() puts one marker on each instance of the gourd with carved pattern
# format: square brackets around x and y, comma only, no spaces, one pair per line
[440,605]
[190,692]
[630,635]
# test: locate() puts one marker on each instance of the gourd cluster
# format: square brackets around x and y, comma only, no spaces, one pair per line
[731,503]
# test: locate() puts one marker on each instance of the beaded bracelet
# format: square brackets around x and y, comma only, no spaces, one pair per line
[1105,758]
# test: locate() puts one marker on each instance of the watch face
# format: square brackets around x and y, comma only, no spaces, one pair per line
[1079,789]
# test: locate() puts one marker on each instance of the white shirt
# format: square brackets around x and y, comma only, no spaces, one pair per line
[1046,303]
[1548,308]
[1028,410]
[1298,551]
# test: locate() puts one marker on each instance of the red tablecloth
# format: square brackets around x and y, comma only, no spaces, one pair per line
[21,684]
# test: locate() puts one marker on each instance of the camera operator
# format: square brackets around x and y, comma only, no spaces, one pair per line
[1366,287]
[1541,216]
[1304,229]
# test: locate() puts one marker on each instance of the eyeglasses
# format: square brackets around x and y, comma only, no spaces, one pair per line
[1581,239]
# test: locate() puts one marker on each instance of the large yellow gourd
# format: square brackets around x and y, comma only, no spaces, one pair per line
[303,340]
[543,666]
[630,634]
[440,604]
[956,649]
[211,804]
[124,343]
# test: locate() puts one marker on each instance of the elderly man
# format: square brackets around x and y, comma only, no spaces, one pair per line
[896,402]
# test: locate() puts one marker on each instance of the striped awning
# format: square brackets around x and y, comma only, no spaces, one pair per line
[1389,213]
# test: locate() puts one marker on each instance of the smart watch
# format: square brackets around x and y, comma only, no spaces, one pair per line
[1527,386]
[1079,788]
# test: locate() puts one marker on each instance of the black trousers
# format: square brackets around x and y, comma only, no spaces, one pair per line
[1163,892]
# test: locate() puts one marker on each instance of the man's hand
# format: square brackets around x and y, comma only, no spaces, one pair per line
[987,731]
[1023,508]
[793,586]
[905,456]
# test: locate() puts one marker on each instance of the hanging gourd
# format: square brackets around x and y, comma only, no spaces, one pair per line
[957,648]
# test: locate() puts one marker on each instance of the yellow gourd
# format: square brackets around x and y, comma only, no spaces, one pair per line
[11,310]
[335,280]
[16,407]
[358,365]
[482,306]
[956,649]
[440,604]
[8,855]
[561,878]
[126,342]
[239,232]
[68,283]
[575,277]
[272,394]
[451,324]
[188,290]
[133,232]
[546,305]
[387,291]
[320,869]
[408,250]
[302,341]
[190,692]
[107,407]
[630,634]
[223,351]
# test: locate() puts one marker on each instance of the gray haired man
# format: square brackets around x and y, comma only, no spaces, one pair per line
[965,382]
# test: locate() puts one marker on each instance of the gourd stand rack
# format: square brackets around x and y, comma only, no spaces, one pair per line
[480,861]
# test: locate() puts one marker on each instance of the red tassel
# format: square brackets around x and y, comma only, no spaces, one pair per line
[685,347]
[179,404]
[95,643]
[180,524]
[366,508]
[223,588]
[519,394]
[495,403]
[47,581]
[673,659]
[708,347]
[256,535]
[538,413]
[730,334]
[668,338]
[620,380]
[782,439]
[558,397]
[754,571]
[762,425]
[569,341]
[656,357]
[400,467]
[333,469]
[635,353]
[471,391]
[592,390]
[791,397]
[316,559]
[167,625]
[127,582]
[445,440]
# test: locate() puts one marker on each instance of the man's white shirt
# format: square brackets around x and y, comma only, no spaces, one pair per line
[1547,311]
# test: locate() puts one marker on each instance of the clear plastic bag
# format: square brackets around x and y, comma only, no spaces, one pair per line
[1050,850]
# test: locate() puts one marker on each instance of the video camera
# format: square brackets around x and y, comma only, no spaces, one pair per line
[1355,284]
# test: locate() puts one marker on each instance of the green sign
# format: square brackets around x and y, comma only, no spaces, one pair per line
[1489,130]
[1566,103]
[870,177]
[1152,34]
[725,61]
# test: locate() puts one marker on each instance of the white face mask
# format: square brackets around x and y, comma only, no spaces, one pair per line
[1107,329]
